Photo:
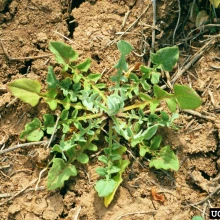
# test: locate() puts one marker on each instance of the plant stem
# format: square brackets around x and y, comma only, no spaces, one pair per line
[139,105]
[98,115]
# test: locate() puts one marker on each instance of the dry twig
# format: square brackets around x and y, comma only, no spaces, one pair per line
[208,197]
[154,24]
[195,57]
[22,145]
[192,112]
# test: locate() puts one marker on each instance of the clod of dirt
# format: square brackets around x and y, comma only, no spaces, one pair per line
[201,141]
[205,164]
[55,207]
[31,216]
[202,182]
[43,5]
[14,208]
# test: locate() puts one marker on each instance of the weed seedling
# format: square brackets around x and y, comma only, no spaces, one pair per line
[92,111]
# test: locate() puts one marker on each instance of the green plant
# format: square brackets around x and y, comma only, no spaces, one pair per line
[197,217]
[91,110]
[215,3]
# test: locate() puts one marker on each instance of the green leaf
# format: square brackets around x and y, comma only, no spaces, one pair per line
[146,135]
[57,148]
[124,47]
[146,71]
[115,104]
[28,90]
[84,66]
[66,128]
[160,93]
[101,85]
[105,187]
[197,217]
[59,172]
[101,171]
[118,179]
[164,116]
[153,105]
[155,77]
[103,159]
[121,65]
[145,97]
[171,103]
[51,78]
[92,147]
[94,77]
[83,158]
[155,142]
[143,150]
[64,115]
[115,157]
[66,103]
[77,78]
[150,132]
[114,169]
[65,85]
[49,123]
[186,97]
[32,131]
[64,53]
[145,85]
[50,98]
[166,160]
[165,57]
[216,3]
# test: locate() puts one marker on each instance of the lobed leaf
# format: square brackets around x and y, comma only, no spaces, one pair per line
[124,47]
[32,131]
[49,123]
[28,90]
[50,98]
[186,97]
[64,53]
[165,57]
[143,149]
[166,160]
[101,171]
[105,187]
[118,180]
[155,77]
[84,66]
[160,93]
[59,173]
[94,77]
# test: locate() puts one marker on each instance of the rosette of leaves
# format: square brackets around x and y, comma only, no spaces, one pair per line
[89,108]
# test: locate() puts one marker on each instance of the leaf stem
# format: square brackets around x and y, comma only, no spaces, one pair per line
[138,105]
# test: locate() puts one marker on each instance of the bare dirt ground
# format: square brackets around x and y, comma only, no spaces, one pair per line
[92,27]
